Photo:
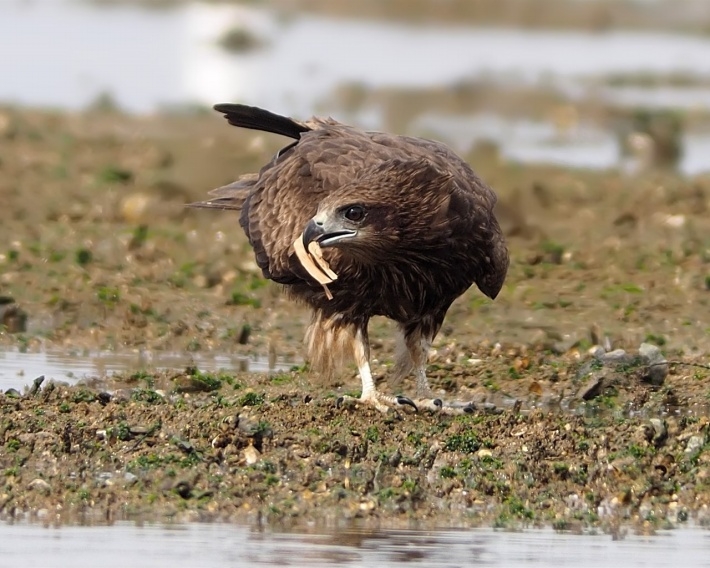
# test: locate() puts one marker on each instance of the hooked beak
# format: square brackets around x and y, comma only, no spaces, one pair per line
[324,234]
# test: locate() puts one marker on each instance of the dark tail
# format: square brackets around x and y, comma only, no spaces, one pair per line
[260,119]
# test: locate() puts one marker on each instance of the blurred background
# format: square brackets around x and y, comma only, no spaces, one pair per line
[584,83]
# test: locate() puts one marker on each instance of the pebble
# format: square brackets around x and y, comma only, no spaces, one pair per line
[616,357]
[40,485]
[660,431]
[695,443]
[251,455]
[13,318]
[649,366]
[592,388]
[657,365]
[134,207]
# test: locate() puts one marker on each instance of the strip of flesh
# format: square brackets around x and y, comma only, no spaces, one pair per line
[313,262]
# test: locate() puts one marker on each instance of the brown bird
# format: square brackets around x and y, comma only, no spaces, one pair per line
[405,227]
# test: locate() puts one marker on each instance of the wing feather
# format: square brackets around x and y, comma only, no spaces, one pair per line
[277,202]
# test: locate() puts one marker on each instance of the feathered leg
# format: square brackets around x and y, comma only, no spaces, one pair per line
[330,343]
[412,356]
[370,394]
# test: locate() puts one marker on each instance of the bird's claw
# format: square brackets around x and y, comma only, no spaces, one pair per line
[437,405]
[403,400]
[383,403]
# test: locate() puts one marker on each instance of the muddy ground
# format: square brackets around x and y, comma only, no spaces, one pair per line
[100,254]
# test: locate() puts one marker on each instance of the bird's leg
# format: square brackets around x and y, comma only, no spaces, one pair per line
[418,344]
[370,394]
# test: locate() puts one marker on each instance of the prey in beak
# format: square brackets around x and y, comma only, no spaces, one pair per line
[308,251]
[321,231]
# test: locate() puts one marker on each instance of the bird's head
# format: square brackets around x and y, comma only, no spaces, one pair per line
[338,226]
[384,208]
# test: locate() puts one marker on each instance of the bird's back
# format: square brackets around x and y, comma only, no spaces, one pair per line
[278,202]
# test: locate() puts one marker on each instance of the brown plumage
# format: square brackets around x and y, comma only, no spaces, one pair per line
[404,222]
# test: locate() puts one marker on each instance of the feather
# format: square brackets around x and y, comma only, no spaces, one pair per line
[422,232]
[230,196]
[260,119]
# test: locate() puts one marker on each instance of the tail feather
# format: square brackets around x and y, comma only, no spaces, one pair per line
[234,195]
[230,196]
[260,119]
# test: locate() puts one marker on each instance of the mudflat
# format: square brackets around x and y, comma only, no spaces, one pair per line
[588,373]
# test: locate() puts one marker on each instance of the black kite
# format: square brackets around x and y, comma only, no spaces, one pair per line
[405,227]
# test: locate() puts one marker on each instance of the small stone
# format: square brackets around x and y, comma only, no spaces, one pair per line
[36,384]
[134,208]
[660,431]
[40,485]
[674,221]
[220,441]
[694,445]
[251,455]
[489,408]
[535,388]
[13,319]
[184,489]
[597,352]
[301,452]
[616,357]
[592,388]
[657,366]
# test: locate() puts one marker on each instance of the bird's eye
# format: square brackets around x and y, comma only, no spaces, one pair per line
[355,213]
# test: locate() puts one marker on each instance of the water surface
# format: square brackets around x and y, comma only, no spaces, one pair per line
[65,53]
[124,544]
[19,369]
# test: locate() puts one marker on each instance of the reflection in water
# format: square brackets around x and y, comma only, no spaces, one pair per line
[228,545]
[19,369]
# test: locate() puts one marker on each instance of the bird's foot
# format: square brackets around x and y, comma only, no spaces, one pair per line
[382,402]
[453,408]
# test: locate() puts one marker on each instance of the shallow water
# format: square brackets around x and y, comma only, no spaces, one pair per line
[203,545]
[66,53]
[18,369]
[527,141]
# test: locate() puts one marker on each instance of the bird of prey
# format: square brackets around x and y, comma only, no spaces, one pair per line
[402,226]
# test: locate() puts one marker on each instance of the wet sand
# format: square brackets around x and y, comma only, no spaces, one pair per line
[102,255]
